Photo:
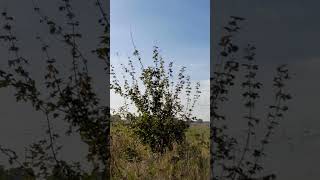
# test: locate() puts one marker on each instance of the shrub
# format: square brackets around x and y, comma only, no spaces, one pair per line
[160,133]
[161,118]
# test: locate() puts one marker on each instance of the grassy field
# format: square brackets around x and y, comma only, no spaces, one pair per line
[133,160]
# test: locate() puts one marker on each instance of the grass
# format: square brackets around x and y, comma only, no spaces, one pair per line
[133,160]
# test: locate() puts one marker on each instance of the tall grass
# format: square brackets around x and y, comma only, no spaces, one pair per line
[133,160]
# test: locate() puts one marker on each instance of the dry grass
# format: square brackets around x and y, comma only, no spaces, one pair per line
[132,160]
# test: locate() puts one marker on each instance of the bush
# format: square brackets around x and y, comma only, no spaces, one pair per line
[161,118]
[160,133]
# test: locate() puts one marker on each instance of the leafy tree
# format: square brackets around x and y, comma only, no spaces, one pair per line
[67,96]
[230,157]
[161,118]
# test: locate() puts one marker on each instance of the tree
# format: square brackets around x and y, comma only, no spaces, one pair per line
[230,157]
[199,121]
[67,96]
[161,118]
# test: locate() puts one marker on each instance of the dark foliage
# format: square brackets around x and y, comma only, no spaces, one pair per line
[69,97]
[230,158]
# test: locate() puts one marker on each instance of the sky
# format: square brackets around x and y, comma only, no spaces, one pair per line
[181,29]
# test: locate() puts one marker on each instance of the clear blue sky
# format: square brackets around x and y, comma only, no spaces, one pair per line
[180,28]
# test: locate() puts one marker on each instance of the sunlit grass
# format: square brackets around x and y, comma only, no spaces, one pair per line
[133,160]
